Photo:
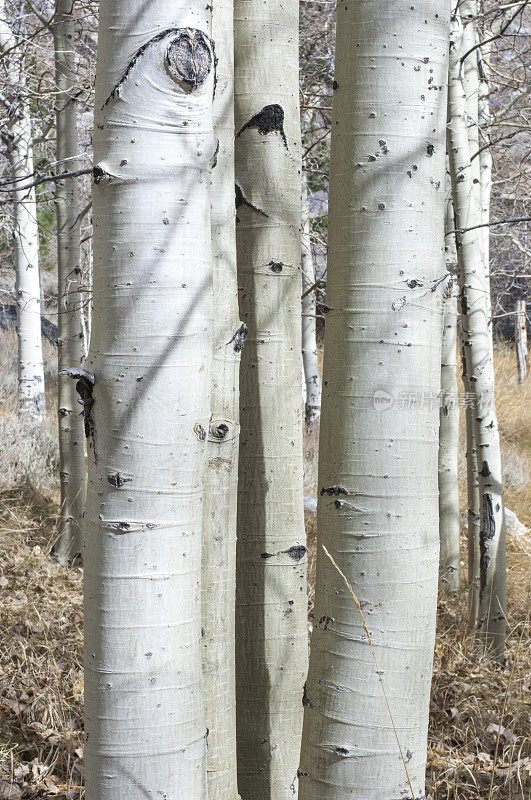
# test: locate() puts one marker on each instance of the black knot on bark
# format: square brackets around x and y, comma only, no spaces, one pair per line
[189,58]
[269,120]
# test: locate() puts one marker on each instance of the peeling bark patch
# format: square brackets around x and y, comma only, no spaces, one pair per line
[297,551]
[191,33]
[200,432]
[219,431]
[241,200]
[189,58]
[269,120]
[307,703]
[215,156]
[485,470]
[118,480]
[239,338]
[84,388]
[98,174]
[123,526]
[487,532]
[333,490]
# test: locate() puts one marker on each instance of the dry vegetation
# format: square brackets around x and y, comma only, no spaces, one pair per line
[479,712]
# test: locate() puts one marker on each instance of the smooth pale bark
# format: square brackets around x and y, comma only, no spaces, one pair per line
[473,503]
[271,612]
[520,338]
[312,379]
[147,414]
[449,560]
[221,480]
[468,10]
[475,316]
[449,527]
[378,500]
[485,169]
[19,145]
[70,332]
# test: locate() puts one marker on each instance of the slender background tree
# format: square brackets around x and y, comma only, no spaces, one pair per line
[271,609]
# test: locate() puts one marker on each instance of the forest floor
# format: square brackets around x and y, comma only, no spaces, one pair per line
[479,711]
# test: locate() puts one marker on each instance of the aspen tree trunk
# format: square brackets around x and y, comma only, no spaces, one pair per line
[475,315]
[312,380]
[448,450]
[378,501]
[19,145]
[221,481]
[473,511]
[485,169]
[469,10]
[146,402]
[70,332]
[520,338]
[449,528]
[271,613]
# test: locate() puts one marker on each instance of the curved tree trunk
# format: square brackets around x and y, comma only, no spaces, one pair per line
[146,402]
[19,145]
[271,613]
[378,501]
[70,333]
[221,481]
[477,337]
[312,379]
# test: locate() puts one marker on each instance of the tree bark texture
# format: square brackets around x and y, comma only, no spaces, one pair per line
[477,340]
[221,481]
[19,145]
[378,498]
[520,338]
[449,530]
[70,332]
[146,402]
[271,614]
[312,379]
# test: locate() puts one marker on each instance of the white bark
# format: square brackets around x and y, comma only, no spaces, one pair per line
[475,315]
[448,450]
[271,613]
[378,499]
[221,482]
[148,411]
[70,331]
[520,338]
[312,379]
[19,147]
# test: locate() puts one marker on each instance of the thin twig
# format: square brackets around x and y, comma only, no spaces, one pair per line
[490,224]
[497,35]
[48,179]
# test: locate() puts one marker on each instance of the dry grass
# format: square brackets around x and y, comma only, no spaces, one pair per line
[28,455]
[479,718]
